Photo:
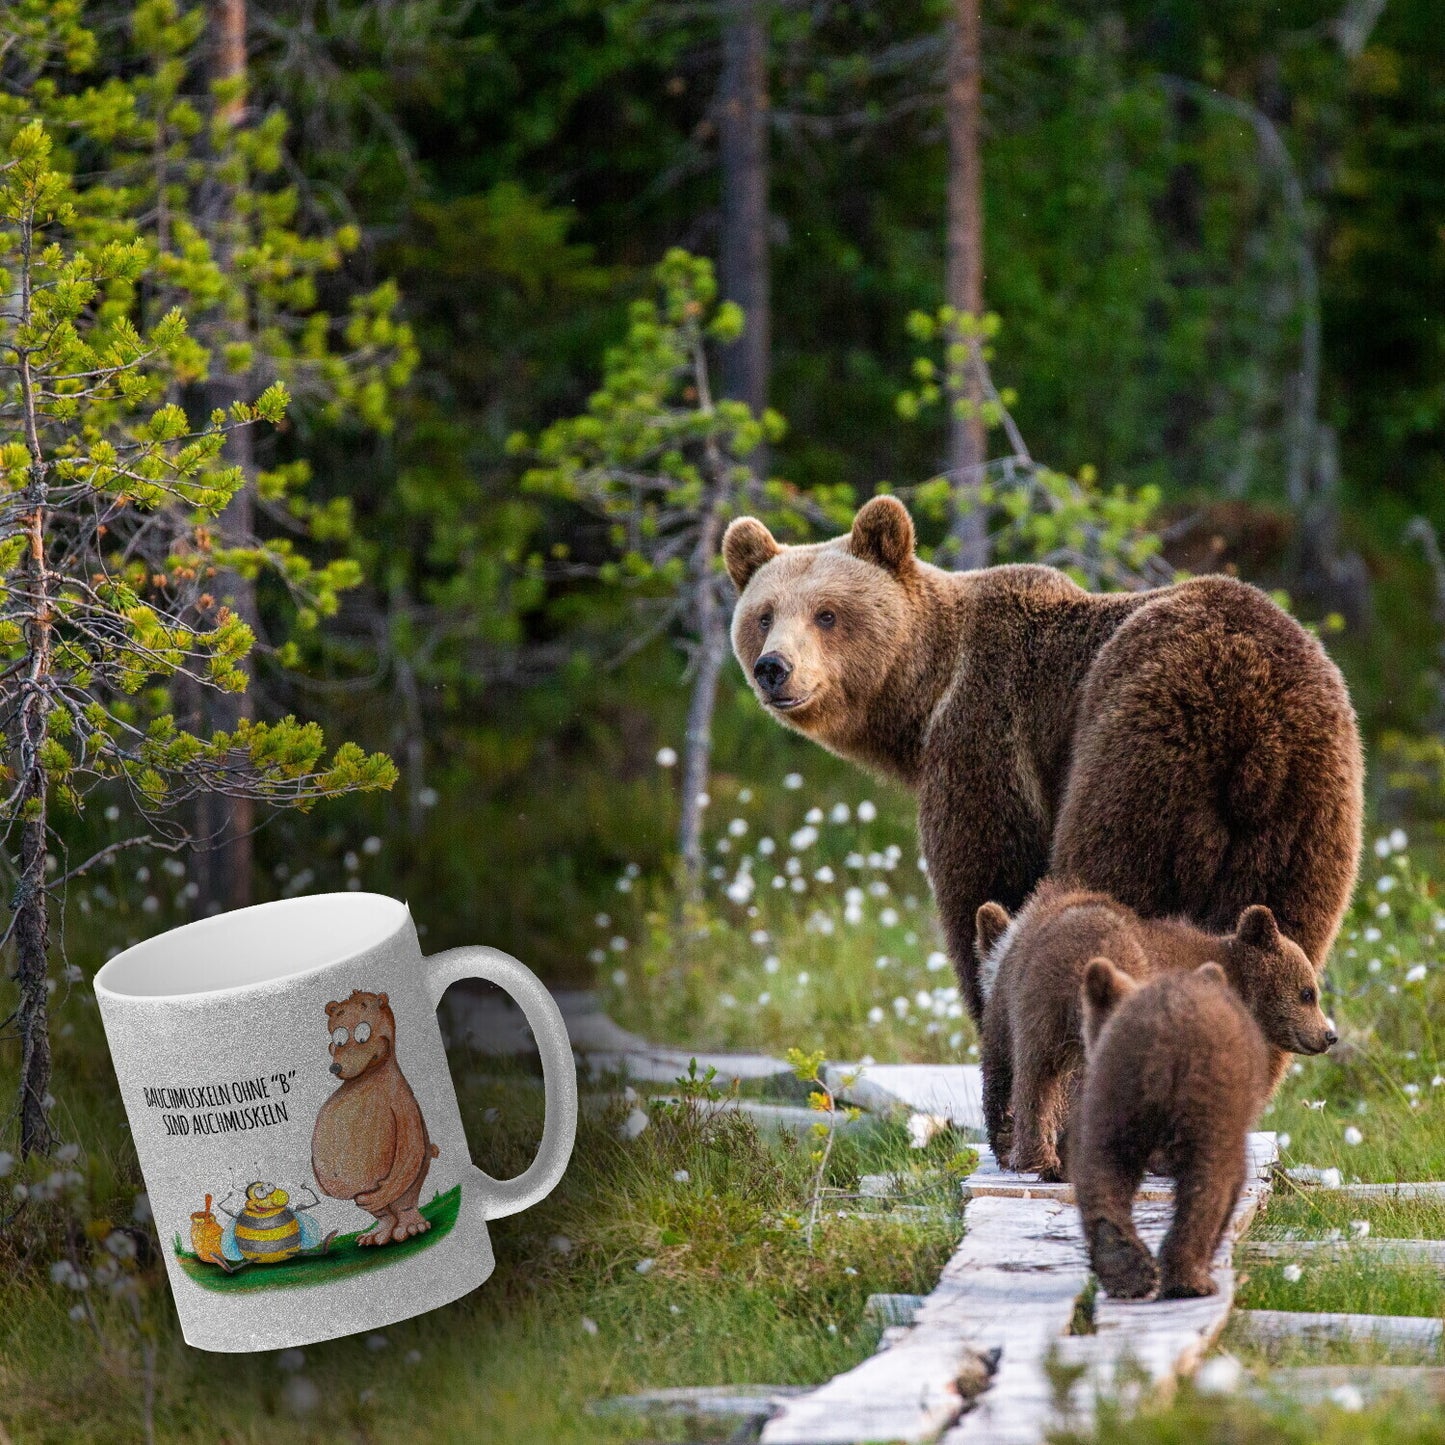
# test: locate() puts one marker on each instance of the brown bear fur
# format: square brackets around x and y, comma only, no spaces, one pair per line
[1190,750]
[370,1142]
[1178,1070]
[1031,970]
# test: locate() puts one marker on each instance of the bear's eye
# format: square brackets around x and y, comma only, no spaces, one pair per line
[765,621]
[1306,995]
[825,618]
[363,1032]
[339,1037]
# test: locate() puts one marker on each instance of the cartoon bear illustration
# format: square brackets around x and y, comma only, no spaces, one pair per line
[370,1142]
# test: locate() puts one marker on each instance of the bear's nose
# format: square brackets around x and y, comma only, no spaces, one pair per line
[1331,1038]
[772,671]
[336,1069]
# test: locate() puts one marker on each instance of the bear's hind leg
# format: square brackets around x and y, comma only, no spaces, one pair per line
[1040,1101]
[409,1219]
[1122,1261]
[997,1082]
[1205,1192]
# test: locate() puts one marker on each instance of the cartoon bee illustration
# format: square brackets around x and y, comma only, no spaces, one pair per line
[269,1227]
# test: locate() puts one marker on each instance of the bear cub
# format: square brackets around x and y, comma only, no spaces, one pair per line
[1031,969]
[1178,1070]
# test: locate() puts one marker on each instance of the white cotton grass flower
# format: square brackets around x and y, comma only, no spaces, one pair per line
[667,757]
[1292,1274]
[1282,1140]
[813,815]
[875,1015]
[597,955]
[936,961]
[824,875]
[289,1361]
[765,998]
[619,977]
[840,814]
[1386,883]
[1348,1398]
[760,937]
[1416,974]
[867,812]
[560,1244]
[645,1266]
[1352,1136]
[767,847]
[793,781]
[1382,847]
[738,827]
[681,1176]
[589,1325]
[889,918]
[804,838]
[1222,1375]
[635,1122]
[1399,840]
[603,920]
[772,963]
[924,1128]
[301,1395]
[1359,1229]
[803,979]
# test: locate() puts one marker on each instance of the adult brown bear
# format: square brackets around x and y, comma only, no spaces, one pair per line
[1190,750]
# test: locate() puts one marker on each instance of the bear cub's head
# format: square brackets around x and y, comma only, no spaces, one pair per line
[817,627]
[1105,988]
[363,1033]
[1277,981]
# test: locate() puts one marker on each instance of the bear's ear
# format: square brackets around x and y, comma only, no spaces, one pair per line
[1212,973]
[746,546]
[1105,985]
[381,1001]
[883,534]
[1257,927]
[331,1009]
[990,924]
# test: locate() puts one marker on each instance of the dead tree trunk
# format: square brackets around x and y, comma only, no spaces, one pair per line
[743,250]
[223,826]
[963,277]
[31,925]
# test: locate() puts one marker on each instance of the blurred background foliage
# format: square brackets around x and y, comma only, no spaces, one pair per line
[1177,196]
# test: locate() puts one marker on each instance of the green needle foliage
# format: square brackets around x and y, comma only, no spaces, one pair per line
[109,500]
[665,465]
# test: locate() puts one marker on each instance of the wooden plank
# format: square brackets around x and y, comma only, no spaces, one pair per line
[1316,1384]
[738,1405]
[948,1091]
[1275,1326]
[1328,1180]
[989,1181]
[1403,1252]
[1164,1339]
[1011,1285]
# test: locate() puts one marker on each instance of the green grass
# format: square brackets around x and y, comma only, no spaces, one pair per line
[733,1294]
[345,1257]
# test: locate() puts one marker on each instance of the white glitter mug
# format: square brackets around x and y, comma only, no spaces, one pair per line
[287,1088]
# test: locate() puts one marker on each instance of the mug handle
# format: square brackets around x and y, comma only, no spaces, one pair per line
[559,1071]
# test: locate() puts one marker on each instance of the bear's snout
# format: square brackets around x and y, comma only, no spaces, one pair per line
[336,1069]
[772,670]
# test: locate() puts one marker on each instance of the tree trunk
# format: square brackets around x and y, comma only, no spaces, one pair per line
[743,251]
[32,948]
[963,277]
[223,826]
[697,742]
[32,725]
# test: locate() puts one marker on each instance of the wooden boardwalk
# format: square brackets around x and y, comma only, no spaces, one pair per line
[1008,1298]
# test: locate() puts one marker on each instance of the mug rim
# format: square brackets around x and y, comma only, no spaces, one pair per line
[110,973]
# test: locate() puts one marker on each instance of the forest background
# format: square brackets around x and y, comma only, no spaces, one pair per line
[1214,237]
